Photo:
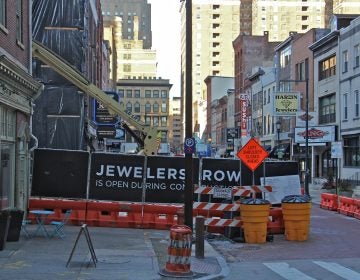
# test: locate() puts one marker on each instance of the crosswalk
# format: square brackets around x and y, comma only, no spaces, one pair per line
[289,271]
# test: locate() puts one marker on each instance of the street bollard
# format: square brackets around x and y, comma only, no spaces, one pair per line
[199,237]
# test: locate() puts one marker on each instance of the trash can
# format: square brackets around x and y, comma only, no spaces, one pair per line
[17,216]
[296,214]
[254,213]
[4,227]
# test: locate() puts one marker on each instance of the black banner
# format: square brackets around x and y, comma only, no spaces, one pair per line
[120,177]
[116,177]
[60,173]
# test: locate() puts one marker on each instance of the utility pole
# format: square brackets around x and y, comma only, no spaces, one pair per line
[188,207]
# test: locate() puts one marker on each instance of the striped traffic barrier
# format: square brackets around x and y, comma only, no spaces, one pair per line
[179,252]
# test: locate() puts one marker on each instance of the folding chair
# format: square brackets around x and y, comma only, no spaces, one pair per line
[23,227]
[59,225]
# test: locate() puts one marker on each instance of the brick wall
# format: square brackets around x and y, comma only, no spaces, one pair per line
[8,41]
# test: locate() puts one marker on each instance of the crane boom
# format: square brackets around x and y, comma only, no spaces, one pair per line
[71,74]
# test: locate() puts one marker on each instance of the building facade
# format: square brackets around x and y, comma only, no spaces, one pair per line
[176,135]
[215,24]
[135,16]
[349,98]
[129,58]
[18,90]
[148,100]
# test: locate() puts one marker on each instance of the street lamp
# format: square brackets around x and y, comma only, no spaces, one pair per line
[307,171]
[278,128]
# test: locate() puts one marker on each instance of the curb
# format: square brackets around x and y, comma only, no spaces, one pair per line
[225,271]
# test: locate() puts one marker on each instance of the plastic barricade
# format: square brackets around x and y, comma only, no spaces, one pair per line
[357,208]
[329,201]
[254,215]
[276,222]
[296,213]
[346,206]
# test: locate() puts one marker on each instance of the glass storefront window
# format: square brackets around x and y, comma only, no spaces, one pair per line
[6,168]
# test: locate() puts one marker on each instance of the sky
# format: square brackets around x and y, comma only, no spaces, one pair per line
[165,25]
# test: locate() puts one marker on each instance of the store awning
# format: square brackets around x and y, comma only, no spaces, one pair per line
[281,151]
[267,148]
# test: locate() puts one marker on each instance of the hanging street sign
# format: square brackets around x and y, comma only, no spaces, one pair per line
[252,154]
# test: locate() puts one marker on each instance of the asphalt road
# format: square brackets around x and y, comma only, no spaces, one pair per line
[331,252]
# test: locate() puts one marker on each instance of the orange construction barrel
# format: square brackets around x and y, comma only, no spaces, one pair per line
[179,252]
[296,214]
[254,215]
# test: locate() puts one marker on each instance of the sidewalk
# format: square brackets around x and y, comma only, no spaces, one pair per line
[121,253]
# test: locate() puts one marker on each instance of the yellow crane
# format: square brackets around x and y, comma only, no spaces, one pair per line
[150,134]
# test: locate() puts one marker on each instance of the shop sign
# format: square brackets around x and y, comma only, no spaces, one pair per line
[286,103]
[316,134]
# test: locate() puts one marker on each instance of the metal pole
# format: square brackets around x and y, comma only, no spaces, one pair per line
[188,215]
[307,171]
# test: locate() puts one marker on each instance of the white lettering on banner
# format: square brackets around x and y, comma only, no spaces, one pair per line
[177,187]
[138,185]
[137,172]
[220,175]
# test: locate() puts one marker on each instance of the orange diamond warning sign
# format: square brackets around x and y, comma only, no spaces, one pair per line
[252,154]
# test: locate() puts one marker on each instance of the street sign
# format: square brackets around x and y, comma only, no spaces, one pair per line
[336,150]
[189,145]
[252,154]
[232,133]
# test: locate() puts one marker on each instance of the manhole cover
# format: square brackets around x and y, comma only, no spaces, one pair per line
[113,260]
[251,248]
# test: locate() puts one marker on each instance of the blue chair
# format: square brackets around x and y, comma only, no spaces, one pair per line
[23,227]
[59,225]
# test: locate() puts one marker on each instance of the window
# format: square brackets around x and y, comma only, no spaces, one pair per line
[264,98]
[156,107]
[357,55]
[148,120]
[327,68]
[3,13]
[127,67]
[129,93]
[156,121]
[163,94]
[345,100]
[19,21]
[137,93]
[163,107]
[156,94]
[285,57]
[147,93]
[121,93]
[345,61]
[129,108]
[6,171]
[301,70]
[357,103]
[163,121]
[7,123]
[268,95]
[352,151]
[327,109]
[147,108]
[137,107]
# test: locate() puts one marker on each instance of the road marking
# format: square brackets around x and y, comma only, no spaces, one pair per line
[287,272]
[340,270]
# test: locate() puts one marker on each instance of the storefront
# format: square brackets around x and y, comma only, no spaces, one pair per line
[319,151]
[17,92]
